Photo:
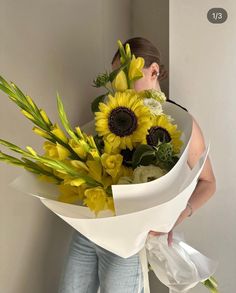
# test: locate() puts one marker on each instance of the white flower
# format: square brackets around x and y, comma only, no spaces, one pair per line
[153,94]
[143,174]
[154,106]
[124,180]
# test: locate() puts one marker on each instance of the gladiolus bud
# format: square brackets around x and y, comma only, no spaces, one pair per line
[56,130]
[45,117]
[120,82]
[41,132]
[28,115]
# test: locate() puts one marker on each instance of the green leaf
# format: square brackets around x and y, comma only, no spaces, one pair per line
[143,155]
[64,119]
[19,93]
[10,160]
[7,91]
[5,83]
[211,284]
[11,146]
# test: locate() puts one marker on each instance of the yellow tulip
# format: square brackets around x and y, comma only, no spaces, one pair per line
[71,194]
[120,82]
[112,163]
[95,169]
[135,68]
[41,132]
[95,199]
[56,130]
[123,172]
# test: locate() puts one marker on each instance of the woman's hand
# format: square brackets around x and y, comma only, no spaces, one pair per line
[184,214]
[169,237]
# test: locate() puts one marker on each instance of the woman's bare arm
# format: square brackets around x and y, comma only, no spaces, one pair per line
[206,185]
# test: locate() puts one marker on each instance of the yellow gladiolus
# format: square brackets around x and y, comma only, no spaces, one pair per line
[28,115]
[112,163]
[95,199]
[79,165]
[41,132]
[81,147]
[107,181]
[56,151]
[71,194]
[91,141]
[95,169]
[56,130]
[120,44]
[60,174]
[109,148]
[127,50]
[79,132]
[30,101]
[76,182]
[135,68]
[94,154]
[45,116]
[120,82]
[31,150]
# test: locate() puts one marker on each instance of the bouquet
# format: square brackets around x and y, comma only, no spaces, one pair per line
[136,145]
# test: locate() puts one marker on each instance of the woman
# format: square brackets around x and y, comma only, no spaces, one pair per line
[89,266]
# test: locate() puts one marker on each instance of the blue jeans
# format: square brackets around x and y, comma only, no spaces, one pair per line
[89,266]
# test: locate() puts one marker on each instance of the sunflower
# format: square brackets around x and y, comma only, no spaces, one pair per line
[124,121]
[162,130]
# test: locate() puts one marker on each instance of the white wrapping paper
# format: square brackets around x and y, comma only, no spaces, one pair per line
[154,205]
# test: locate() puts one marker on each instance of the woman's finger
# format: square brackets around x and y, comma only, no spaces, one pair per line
[154,233]
[170,238]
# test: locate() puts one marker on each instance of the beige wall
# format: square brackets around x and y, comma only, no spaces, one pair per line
[150,19]
[47,46]
[202,78]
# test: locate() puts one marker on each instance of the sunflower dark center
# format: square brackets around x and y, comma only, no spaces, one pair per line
[127,157]
[157,134]
[122,121]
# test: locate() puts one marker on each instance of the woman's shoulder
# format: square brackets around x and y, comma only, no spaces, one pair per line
[173,102]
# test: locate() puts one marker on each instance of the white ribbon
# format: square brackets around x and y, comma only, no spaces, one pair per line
[144,266]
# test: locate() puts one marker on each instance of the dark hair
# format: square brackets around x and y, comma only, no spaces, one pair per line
[142,47]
